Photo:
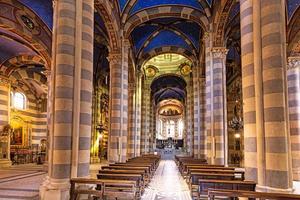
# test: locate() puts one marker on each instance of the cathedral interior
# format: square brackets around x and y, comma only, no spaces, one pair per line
[149,99]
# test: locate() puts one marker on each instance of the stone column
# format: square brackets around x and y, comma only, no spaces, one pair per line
[71,83]
[4,102]
[190,117]
[202,137]
[264,94]
[131,121]
[145,117]
[207,40]
[138,117]
[118,105]
[197,122]
[293,78]
[4,116]
[219,118]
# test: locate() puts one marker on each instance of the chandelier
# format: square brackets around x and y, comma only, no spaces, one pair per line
[236,123]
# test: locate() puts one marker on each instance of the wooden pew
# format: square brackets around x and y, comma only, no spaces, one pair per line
[120,189]
[140,172]
[132,168]
[239,175]
[205,184]
[194,177]
[128,177]
[213,193]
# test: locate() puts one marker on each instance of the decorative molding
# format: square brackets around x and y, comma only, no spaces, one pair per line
[293,62]
[115,58]
[4,81]
[219,52]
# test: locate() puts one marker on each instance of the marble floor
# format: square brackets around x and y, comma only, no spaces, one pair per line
[167,184]
[21,182]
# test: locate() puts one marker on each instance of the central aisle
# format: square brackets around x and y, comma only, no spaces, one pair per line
[167,184]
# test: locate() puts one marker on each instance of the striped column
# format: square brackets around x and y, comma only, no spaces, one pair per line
[131,121]
[190,116]
[118,105]
[264,94]
[202,137]
[219,119]
[208,97]
[4,102]
[138,112]
[196,96]
[70,130]
[293,77]
[145,118]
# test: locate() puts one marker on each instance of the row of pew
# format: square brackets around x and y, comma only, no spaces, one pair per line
[214,181]
[119,180]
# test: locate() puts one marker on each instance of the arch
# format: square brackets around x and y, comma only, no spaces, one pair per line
[293,34]
[111,21]
[165,11]
[175,30]
[14,63]
[127,9]
[143,58]
[23,74]
[221,23]
[39,37]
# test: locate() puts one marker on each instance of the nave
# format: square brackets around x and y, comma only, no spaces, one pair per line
[167,184]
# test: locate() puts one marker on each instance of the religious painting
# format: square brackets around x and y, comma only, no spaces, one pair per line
[16,138]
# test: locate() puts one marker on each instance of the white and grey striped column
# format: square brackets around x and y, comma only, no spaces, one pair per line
[190,117]
[293,78]
[138,112]
[118,105]
[145,117]
[196,106]
[219,109]
[4,102]
[264,94]
[131,121]
[208,97]
[70,131]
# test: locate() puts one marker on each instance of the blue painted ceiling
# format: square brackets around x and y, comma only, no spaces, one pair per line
[292,6]
[43,8]
[168,87]
[164,30]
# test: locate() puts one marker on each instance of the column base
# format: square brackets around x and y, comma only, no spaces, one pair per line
[4,163]
[261,188]
[55,189]
[95,159]
[45,167]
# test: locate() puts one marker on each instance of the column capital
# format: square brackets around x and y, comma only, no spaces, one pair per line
[4,81]
[293,62]
[219,52]
[205,35]
[115,57]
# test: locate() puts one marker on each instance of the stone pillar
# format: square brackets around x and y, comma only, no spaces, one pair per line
[70,130]
[190,118]
[293,78]
[207,40]
[145,118]
[197,122]
[131,121]
[4,117]
[218,105]
[266,135]
[202,137]
[118,104]
[138,117]
[4,102]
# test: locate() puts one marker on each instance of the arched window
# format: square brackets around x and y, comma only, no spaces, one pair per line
[18,101]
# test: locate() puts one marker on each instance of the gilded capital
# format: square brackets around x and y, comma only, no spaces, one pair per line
[293,62]
[219,52]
